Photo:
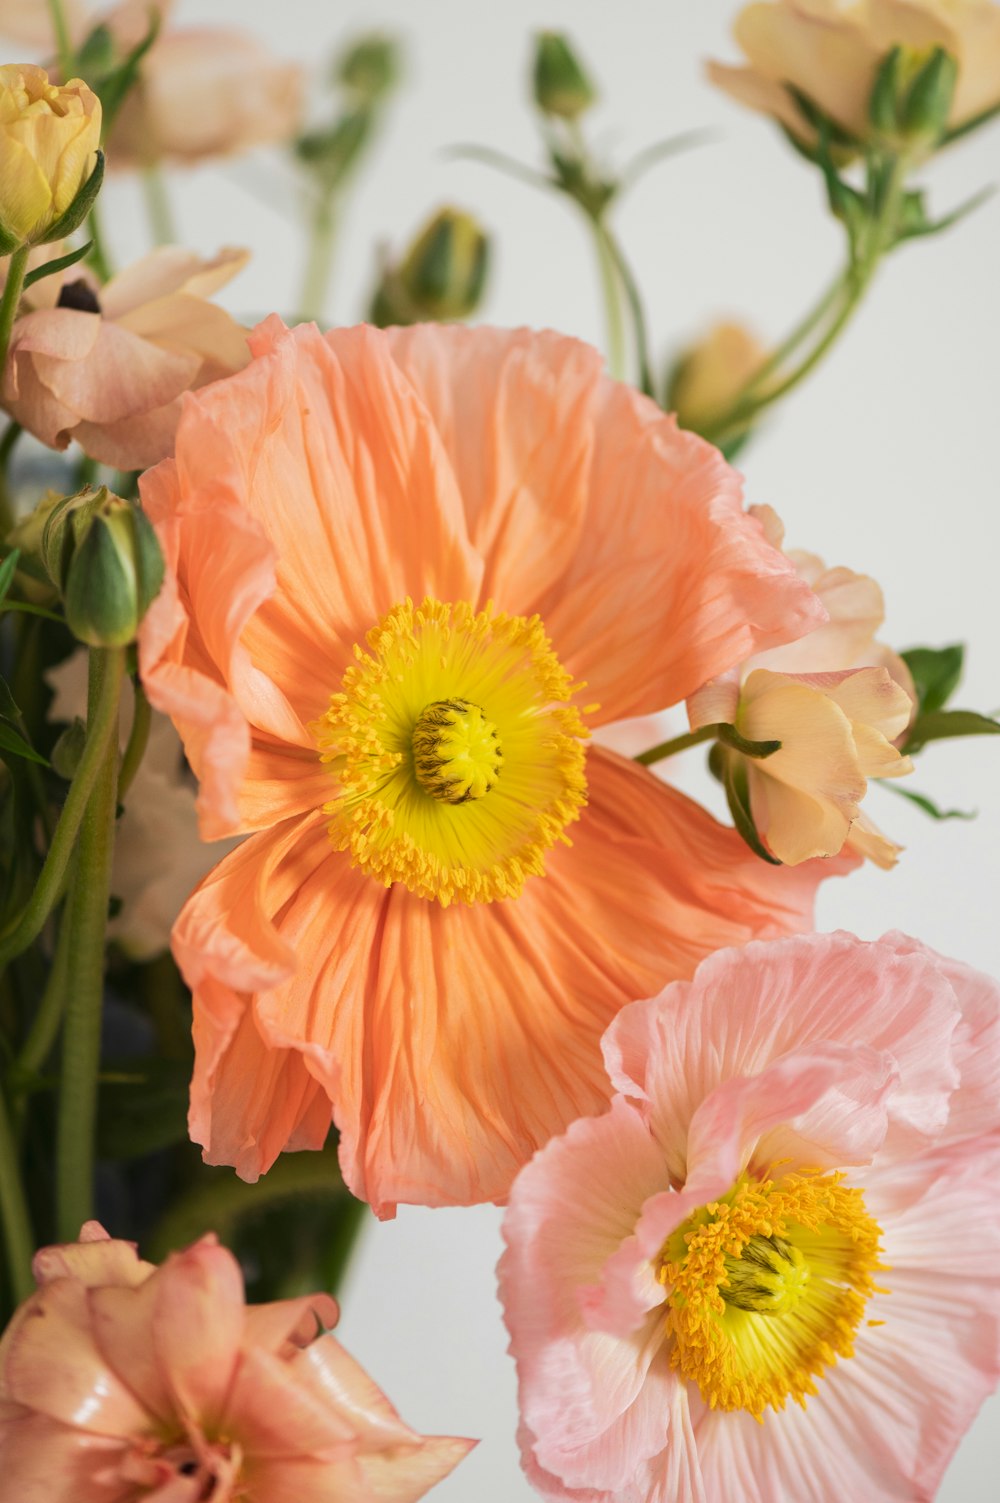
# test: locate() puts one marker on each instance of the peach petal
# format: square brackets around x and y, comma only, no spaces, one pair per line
[124,375]
[116,1313]
[197,1327]
[95,1259]
[514,411]
[274,1415]
[288,1325]
[43,1461]
[167,270]
[765,95]
[685,552]
[828,58]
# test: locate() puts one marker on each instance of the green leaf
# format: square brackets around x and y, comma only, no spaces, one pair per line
[944,725]
[927,804]
[8,709]
[7,569]
[13,743]
[737,797]
[61,263]
[936,673]
[114,86]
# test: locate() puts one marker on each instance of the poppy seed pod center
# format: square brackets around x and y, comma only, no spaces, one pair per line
[456,751]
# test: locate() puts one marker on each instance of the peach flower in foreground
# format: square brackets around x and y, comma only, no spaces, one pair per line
[107,365]
[392,557]
[159,855]
[123,1382]
[771,1272]
[831,52]
[207,92]
[837,700]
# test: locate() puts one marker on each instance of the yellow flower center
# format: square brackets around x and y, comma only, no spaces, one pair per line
[767,1288]
[458,754]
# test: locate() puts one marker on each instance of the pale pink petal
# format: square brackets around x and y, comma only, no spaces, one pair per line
[95,1259]
[287,1324]
[197,1328]
[275,1415]
[43,1461]
[167,270]
[122,376]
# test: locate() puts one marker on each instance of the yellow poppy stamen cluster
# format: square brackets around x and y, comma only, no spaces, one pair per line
[457,750]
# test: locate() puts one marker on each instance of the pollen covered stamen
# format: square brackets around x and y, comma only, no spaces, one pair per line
[456,751]
[766,1288]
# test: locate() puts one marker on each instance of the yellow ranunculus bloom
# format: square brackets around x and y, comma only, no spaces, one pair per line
[49,135]
[830,51]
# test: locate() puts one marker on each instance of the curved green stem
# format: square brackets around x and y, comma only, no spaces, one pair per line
[633,297]
[44,1028]
[64,47]
[8,303]
[677,744]
[87,918]
[319,264]
[161,219]
[135,750]
[18,1238]
[101,734]
[610,287]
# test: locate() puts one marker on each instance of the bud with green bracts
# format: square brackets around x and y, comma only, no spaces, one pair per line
[912,97]
[562,88]
[103,555]
[441,277]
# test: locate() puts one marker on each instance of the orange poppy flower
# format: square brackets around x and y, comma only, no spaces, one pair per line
[407,572]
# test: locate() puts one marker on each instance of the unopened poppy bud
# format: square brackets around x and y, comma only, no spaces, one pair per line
[441,277]
[562,87]
[52,168]
[370,67]
[114,574]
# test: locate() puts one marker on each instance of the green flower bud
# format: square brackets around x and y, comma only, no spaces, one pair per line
[562,88]
[924,114]
[441,276]
[114,572]
[370,67]
[64,520]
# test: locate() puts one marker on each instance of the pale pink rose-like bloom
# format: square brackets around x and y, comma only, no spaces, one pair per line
[121,1382]
[771,1271]
[837,700]
[204,93]
[831,51]
[108,365]
[159,854]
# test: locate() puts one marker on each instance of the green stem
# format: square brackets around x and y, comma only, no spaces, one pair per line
[634,299]
[44,1028]
[161,219]
[16,269]
[102,733]
[135,750]
[319,265]
[19,1241]
[11,435]
[87,919]
[677,744]
[802,330]
[64,47]
[611,288]
[98,256]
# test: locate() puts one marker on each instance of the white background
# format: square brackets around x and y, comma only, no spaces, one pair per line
[886,461]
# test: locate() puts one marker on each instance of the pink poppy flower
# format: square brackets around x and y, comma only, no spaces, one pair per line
[772,1270]
[392,558]
[122,1382]
[107,365]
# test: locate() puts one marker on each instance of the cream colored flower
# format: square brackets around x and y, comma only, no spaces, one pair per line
[830,51]
[837,700]
[49,135]
[713,372]
[159,855]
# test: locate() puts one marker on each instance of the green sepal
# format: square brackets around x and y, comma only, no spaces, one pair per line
[924,226]
[730,736]
[968,126]
[936,672]
[79,208]
[924,112]
[69,748]
[9,242]
[7,571]
[561,86]
[883,102]
[927,804]
[113,84]
[945,725]
[734,782]
[61,263]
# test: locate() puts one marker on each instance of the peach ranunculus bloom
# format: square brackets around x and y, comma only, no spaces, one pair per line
[108,365]
[123,1381]
[205,93]
[831,50]
[392,559]
[49,138]
[837,700]
[159,855]
[771,1272]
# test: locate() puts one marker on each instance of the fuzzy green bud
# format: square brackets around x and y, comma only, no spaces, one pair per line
[114,570]
[370,67]
[441,277]
[562,88]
